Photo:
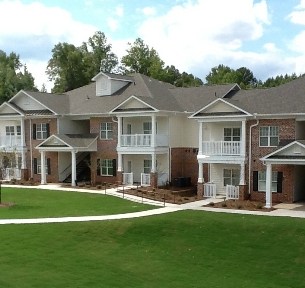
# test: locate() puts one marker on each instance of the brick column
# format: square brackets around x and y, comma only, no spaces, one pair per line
[24,174]
[154,180]
[119,176]
[200,191]
[243,192]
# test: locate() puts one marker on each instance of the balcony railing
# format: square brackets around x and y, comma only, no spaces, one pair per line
[10,141]
[143,140]
[221,148]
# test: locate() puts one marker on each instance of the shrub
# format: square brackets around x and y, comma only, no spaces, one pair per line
[259,205]
[239,206]
[211,203]
[99,186]
[224,204]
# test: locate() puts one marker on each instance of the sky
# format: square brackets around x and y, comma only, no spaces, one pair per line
[265,36]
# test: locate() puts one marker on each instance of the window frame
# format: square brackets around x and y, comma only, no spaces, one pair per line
[231,176]
[147,165]
[41,131]
[231,137]
[106,165]
[269,137]
[38,165]
[261,180]
[108,131]
[9,130]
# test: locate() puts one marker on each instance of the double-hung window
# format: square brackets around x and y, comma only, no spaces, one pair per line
[231,177]
[107,167]
[41,131]
[37,165]
[268,136]
[231,134]
[9,130]
[262,181]
[106,130]
[147,166]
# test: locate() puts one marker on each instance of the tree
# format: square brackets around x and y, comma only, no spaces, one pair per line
[71,67]
[142,59]
[12,78]
[224,74]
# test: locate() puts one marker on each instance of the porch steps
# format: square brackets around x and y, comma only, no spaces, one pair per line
[82,171]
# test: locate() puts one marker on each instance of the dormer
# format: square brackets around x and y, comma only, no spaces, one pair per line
[107,83]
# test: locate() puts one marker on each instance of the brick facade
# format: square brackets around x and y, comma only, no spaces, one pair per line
[287,131]
[106,149]
[184,163]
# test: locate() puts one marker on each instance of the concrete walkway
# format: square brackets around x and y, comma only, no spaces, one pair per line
[286,210]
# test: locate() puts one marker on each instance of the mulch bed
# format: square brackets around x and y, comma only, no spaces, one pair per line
[240,205]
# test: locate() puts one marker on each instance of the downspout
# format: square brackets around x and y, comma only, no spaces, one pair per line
[250,151]
[31,150]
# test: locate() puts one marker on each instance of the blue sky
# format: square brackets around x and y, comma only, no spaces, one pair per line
[266,36]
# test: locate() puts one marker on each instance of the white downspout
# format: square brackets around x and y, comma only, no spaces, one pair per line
[250,151]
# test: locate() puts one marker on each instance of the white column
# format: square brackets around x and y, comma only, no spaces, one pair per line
[269,186]
[43,167]
[120,162]
[23,161]
[242,174]
[200,138]
[153,130]
[243,138]
[153,163]
[73,167]
[119,131]
[200,173]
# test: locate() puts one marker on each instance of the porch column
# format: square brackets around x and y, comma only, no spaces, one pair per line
[120,162]
[43,167]
[153,130]
[73,167]
[242,174]
[200,173]
[23,161]
[243,138]
[153,163]
[269,186]
[119,131]
[200,139]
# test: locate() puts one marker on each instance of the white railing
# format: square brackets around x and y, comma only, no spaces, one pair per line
[145,179]
[221,148]
[143,140]
[127,178]
[232,192]
[11,173]
[10,141]
[209,190]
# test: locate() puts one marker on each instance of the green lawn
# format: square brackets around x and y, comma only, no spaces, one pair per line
[181,249]
[37,203]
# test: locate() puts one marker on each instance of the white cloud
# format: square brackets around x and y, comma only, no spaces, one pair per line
[33,30]
[149,11]
[194,33]
[113,24]
[119,11]
[88,3]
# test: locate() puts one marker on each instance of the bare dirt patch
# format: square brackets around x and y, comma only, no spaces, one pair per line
[4,205]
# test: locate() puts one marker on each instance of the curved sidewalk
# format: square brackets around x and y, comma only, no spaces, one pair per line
[198,205]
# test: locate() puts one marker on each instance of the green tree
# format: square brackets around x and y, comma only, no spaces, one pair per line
[142,59]
[12,77]
[71,67]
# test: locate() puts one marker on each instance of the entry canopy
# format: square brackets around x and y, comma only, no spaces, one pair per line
[292,153]
[69,142]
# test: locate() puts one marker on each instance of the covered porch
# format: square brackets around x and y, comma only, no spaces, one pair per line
[65,144]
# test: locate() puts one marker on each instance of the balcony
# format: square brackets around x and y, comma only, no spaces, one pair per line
[10,141]
[143,140]
[221,148]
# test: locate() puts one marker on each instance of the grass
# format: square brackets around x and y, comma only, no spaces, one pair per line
[37,203]
[181,249]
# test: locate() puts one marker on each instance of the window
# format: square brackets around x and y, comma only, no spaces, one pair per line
[37,166]
[9,130]
[41,131]
[147,128]
[106,131]
[262,181]
[147,166]
[18,130]
[231,177]
[107,167]
[231,134]
[268,136]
